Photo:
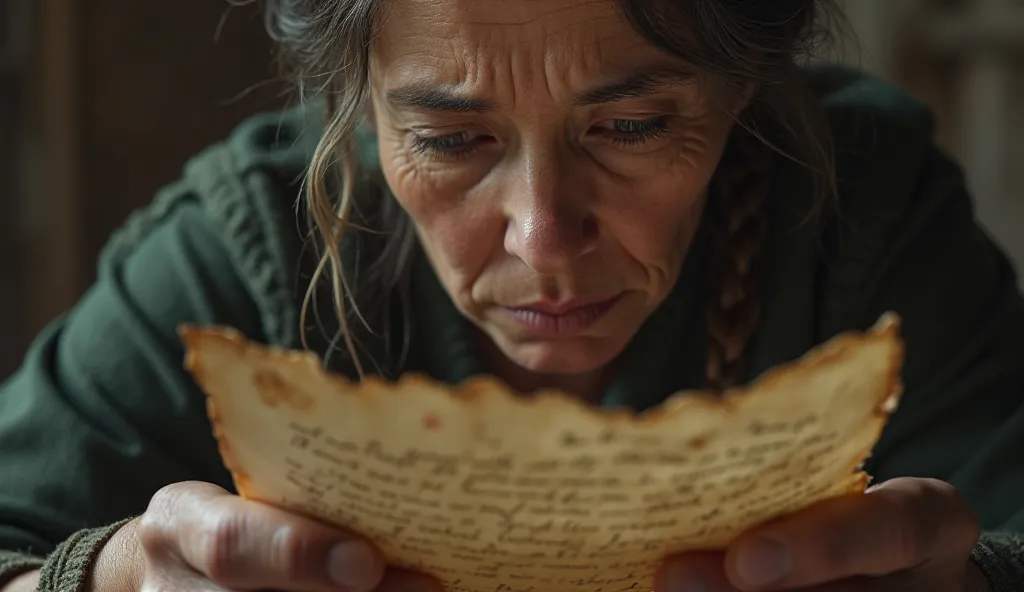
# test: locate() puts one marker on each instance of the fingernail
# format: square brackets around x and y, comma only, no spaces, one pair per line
[762,562]
[678,578]
[352,564]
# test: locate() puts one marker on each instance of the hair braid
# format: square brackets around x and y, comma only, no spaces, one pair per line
[738,192]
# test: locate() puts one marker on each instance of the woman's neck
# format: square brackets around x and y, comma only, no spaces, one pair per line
[588,387]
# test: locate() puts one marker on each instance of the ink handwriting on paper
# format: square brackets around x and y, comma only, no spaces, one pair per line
[601,503]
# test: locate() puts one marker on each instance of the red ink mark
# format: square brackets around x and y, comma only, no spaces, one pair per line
[431,421]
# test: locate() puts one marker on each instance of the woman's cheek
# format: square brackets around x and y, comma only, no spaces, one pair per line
[405,179]
[438,207]
[414,179]
[409,183]
[457,234]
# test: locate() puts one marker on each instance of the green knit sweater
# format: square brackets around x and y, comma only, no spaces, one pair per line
[101,414]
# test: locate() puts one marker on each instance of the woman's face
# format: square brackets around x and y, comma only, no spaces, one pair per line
[554,162]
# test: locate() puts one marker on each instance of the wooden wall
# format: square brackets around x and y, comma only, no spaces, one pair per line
[117,95]
[965,58]
[13,72]
[157,85]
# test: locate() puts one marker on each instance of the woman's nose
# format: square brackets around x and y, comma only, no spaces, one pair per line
[550,223]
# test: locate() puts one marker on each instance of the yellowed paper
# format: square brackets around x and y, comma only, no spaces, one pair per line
[494,493]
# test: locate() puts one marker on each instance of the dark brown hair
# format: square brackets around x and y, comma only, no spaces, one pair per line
[741,46]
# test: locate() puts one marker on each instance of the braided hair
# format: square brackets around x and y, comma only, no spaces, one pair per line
[739,190]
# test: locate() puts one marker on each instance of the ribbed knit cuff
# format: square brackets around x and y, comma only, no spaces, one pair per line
[1000,555]
[14,564]
[68,568]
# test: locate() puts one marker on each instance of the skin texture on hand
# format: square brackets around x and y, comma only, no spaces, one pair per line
[196,536]
[23,583]
[904,535]
[120,566]
[907,535]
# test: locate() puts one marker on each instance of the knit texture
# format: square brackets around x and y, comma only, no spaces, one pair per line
[1000,555]
[68,568]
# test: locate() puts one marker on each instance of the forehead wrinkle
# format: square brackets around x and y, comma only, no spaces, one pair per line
[500,64]
[556,56]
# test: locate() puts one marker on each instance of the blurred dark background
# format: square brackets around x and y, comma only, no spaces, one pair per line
[101,102]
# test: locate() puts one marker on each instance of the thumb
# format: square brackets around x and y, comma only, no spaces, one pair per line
[246,545]
[897,526]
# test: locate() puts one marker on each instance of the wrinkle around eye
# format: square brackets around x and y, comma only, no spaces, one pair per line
[407,170]
[693,147]
[436,175]
[682,155]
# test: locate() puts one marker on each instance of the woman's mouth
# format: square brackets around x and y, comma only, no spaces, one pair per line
[567,318]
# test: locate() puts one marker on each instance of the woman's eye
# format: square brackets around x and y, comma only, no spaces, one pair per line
[632,132]
[447,145]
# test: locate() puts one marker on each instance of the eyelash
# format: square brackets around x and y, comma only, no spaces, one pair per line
[636,132]
[447,146]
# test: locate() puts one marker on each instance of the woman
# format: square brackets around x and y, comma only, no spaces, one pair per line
[617,199]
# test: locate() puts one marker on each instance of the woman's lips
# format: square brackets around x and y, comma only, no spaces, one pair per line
[563,319]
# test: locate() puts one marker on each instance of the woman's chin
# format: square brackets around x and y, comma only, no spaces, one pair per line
[572,356]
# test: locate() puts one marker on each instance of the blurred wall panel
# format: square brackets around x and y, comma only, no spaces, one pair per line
[159,83]
[965,58]
[13,72]
[118,94]
[10,249]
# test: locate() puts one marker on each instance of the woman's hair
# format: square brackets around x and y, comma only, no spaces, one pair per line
[751,51]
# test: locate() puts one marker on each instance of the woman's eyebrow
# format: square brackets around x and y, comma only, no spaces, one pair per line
[636,86]
[420,97]
[424,98]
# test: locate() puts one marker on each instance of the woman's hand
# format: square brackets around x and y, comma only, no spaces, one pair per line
[200,538]
[905,535]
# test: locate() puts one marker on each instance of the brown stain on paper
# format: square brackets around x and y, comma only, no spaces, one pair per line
[274,391]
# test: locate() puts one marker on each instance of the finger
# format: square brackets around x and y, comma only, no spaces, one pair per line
[397,580]
[693,572]
[895,526]
[245,545]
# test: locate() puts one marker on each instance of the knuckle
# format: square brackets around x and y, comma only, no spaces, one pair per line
[908,525]
[911,538]
[289,553]
[167,501]
[952,516]
[937,497]
[151,533]
[169,495]
[219,547]
[914,521]
[155,525]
